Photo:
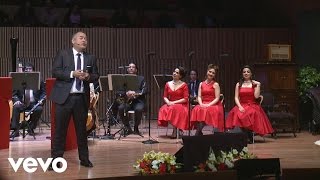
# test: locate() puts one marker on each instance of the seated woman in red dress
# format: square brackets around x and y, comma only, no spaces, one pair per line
[248,113]
[210,110]
[175,109]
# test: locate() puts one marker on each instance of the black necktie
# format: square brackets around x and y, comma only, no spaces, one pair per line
[78,81]
[27,97]
[193,89]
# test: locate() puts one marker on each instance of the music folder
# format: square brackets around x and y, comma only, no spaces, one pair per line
[31,80]
[103,83]
[123,82]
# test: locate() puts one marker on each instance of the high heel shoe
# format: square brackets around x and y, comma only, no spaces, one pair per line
[174,134]
[180,132]
[198,133]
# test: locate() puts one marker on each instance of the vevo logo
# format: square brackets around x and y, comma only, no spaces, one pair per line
[30,164]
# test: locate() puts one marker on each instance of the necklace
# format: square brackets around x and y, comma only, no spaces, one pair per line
[176,83]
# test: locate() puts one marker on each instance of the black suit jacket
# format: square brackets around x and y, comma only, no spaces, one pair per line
[142,89]
[63,64]
[197,87]
[17,95]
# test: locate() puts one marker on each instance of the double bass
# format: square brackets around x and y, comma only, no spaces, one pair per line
[92,112]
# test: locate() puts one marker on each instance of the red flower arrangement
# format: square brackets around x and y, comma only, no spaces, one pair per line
[157,163]
[224,161]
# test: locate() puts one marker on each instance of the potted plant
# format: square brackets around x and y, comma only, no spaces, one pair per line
[308,77]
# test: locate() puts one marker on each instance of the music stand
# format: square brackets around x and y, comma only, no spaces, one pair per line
[122,82]
[22,81]
[161,80]
[104,86]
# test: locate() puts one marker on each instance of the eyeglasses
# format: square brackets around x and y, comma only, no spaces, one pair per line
[28,69]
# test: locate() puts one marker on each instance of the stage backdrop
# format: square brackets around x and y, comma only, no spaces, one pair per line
[228,48]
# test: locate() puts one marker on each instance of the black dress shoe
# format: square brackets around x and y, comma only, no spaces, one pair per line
[137,132]
[127,131]
[198,133]
[86,163]
[50,168]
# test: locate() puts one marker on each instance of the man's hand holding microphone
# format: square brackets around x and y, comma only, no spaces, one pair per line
[82,75]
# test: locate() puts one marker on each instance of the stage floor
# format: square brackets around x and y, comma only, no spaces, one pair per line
[116,157]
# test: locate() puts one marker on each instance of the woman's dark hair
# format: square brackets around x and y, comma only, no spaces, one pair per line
[241,76]
[182,71]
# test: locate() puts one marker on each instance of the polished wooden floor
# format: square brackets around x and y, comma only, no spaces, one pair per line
[116,157]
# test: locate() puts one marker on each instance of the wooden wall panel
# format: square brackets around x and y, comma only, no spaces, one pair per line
[228,48]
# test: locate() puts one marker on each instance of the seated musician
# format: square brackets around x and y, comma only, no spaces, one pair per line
[193,86]
[134,100]
[19,105]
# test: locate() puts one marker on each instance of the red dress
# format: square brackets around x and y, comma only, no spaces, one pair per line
[254,118]
[176,114]
[212,115]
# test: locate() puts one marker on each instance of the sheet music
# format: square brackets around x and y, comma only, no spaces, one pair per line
[117,81]
[31,79]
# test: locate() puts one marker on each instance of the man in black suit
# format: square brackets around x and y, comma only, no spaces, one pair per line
[73,69]
[19,105]
[136,101]
[193,87]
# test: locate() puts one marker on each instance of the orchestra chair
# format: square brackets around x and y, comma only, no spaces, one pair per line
[5,99]
[71,139]
[131,116]
[278,114]
[260,101]
[221,98]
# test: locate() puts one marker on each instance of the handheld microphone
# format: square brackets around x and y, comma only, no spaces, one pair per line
[191,53]
[89,69]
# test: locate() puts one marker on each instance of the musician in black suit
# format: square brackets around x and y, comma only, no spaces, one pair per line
[193,86]
[31,100]
[73,69]
[134,100]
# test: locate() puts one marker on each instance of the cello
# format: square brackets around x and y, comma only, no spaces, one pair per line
[92,112]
